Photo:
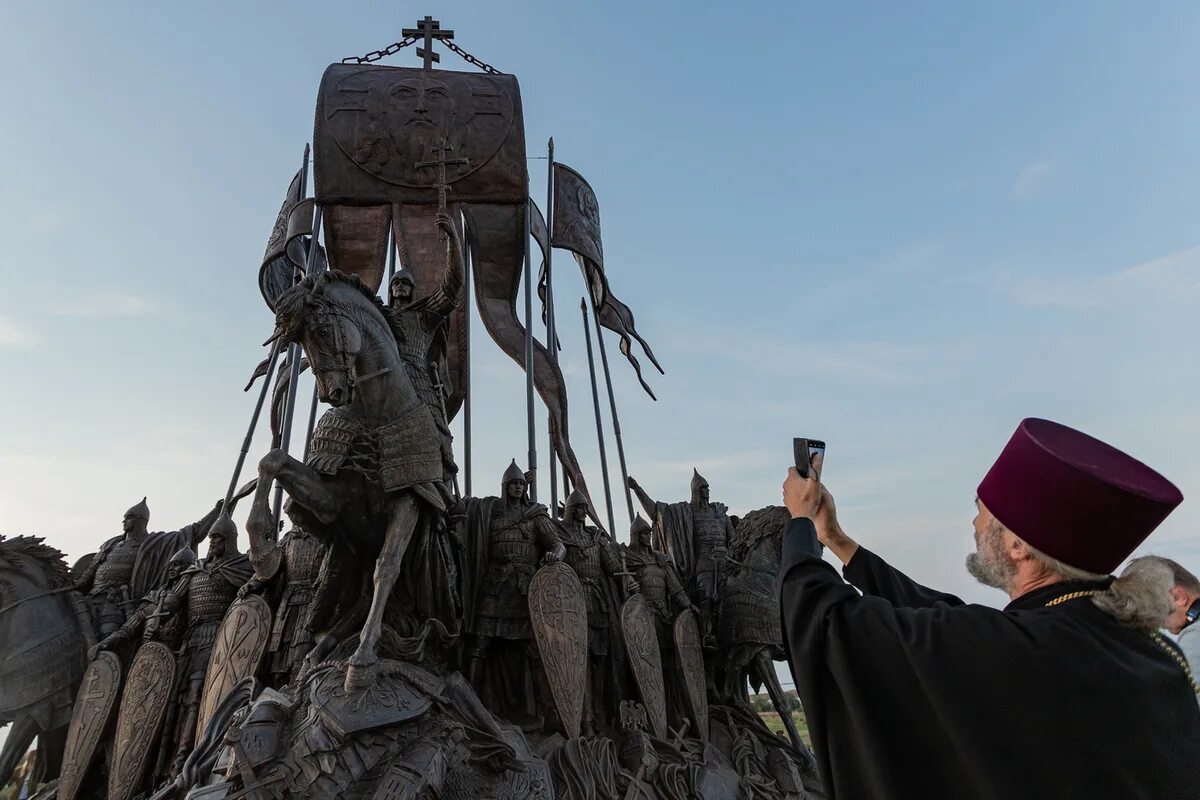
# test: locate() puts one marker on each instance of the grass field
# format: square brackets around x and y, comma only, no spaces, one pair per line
[776,724]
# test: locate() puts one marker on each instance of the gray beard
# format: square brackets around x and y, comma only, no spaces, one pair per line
[990,569]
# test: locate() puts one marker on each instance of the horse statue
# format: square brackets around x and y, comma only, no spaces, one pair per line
[749,628]
[375,487]
[44,637]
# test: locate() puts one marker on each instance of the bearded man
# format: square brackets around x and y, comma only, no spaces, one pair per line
[506,539]
[129,566]
[696,535]
[421,325]
[1067,692]
[1185,605]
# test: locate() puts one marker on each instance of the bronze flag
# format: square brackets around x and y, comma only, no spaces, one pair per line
[576,227]
[286,248]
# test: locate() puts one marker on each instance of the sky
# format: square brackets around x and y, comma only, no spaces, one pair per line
[900,228]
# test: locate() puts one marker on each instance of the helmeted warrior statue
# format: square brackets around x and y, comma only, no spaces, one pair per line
[696,535]
[153,620]
[127,567]
[658,581]
[594,557]
[290,573]
[203,595]
[420,325]
[506,538]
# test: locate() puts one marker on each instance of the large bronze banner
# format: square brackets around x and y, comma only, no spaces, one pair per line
[380,130]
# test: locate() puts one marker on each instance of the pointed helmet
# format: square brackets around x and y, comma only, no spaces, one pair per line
[140,511]
[574,499]
[224,528]
[513,473]
[402,275]
[639,525]
[698,480]
[185,556]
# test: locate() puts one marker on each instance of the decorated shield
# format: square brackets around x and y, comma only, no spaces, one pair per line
[691,668]
[641,645]
[93,709]
[149,689]
[558,611]
[235,655]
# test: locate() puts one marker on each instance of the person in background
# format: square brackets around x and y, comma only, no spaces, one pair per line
[1185,607]
[1070,691]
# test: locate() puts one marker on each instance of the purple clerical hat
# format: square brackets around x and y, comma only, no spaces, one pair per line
[1075,498]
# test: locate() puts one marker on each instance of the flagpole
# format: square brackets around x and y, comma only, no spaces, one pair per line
[294,354]
[275,350]
[466,407]
[262,396]
[551,328]
[612,403]
[529,421]
[587,332]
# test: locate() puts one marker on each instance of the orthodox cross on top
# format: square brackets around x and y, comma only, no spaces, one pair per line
[441,149]
[428,29]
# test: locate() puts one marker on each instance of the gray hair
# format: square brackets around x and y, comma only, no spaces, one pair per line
[1139,599]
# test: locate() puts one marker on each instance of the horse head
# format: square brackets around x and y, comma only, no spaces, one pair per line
[341,324]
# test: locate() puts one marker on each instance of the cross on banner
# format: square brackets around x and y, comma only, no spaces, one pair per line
[428,29]
[440,150]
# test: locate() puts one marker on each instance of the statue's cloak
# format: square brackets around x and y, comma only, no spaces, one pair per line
[475,530]
[673,525]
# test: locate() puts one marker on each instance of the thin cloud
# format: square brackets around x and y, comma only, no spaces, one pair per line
[12,334]
[877,362]
[1173,278]
[1031,178]
[108,305]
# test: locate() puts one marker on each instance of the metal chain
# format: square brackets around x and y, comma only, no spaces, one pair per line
[375,55]
[392,49]
[470,59]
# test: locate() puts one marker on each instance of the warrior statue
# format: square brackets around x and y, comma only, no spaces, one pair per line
[593,556]
[658,581]
[421,325]
[505,538]
[202,595]
[127,567]
[289,570]
[153,620]
[696,536]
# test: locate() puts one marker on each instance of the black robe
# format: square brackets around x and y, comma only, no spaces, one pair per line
[910,693]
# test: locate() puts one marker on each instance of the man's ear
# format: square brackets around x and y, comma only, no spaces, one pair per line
[1179,598]
[1016,547]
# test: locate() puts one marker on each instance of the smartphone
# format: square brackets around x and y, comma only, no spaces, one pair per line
[803,450]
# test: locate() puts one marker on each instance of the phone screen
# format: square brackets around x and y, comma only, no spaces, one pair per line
[804,450]
[816,448]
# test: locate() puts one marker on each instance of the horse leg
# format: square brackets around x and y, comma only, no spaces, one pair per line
[304,485]
[20,736]
[51,745]
[766,672]
[401,524]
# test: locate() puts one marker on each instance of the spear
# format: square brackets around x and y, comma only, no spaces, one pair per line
[587,332]
[289,412]
[530,424]
[612,403]
[551,332]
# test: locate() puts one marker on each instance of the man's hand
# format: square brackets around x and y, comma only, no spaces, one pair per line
[252,586]
[801,495]
[808,497]
[633,484]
